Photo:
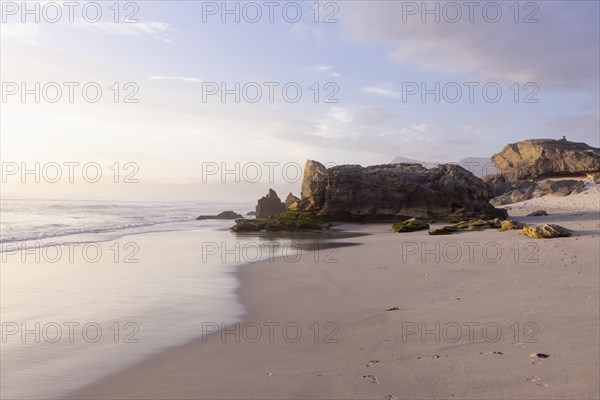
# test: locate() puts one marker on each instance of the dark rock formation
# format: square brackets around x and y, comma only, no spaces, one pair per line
[269,205]
[542,158]
[229,215]
[395,192]
[251,213]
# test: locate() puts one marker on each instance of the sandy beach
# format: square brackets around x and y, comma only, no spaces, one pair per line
[410,316]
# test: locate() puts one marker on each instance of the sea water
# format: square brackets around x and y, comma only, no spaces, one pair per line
[130,279]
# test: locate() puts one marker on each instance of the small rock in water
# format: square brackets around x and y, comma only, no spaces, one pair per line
[392,309]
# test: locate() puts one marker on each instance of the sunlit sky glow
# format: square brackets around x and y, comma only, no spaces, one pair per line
[370,54]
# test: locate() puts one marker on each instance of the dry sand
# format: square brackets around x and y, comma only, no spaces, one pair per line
[542,294]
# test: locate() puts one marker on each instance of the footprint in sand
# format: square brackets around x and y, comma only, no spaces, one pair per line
[371,363]
[537,381]
[372,378]
[539,355]
[434,357]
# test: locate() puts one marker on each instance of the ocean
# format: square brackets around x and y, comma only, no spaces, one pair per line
[89,287]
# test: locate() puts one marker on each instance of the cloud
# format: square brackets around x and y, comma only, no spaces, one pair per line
[371,116]
[327,70]
[384,90]
[302,32]
[335,123]
[175,78]
[155,29]
[559,52]
[25,33]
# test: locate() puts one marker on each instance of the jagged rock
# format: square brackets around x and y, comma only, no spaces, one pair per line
[269,205]
[395,192]
[313,184]
[410,225]
[541,158]
[291,202]
[538,213]
[224,215]
[546,231]
[251,213]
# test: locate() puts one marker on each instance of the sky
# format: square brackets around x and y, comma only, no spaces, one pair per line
[191,90]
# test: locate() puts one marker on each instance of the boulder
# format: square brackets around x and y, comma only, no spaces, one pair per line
[546,231]
[541,158]
[269,205]
[228,215]
[395,192]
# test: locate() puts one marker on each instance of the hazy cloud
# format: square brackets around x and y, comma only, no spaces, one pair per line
[558,52]
[175,78]
[385,90]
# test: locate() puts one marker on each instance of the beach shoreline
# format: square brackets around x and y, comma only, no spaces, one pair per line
[380,320]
